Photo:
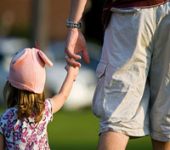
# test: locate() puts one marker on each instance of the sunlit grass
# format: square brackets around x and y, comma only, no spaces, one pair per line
[73,130]
[78,130]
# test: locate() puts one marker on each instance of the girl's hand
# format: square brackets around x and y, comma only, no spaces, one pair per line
[72,71]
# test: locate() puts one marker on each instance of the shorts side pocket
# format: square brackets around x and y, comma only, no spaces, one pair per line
[100,71]
[98,98]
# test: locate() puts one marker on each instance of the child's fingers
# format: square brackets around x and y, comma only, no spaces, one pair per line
[67,67]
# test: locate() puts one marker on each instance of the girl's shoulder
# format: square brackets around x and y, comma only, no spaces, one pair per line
[48,109]
[48,106]
[8,117]
[9,113]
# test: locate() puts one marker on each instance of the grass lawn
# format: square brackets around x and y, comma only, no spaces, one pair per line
[78,130]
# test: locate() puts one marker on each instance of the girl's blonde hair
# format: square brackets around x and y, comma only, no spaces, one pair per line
[28,103]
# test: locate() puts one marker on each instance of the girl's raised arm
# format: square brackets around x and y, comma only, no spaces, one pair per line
[58,100]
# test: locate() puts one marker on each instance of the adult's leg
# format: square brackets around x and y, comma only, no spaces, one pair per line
[157,145]
[112,141]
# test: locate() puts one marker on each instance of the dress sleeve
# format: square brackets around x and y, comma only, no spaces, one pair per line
[48,110]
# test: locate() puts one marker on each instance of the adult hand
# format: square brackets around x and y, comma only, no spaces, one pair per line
[76,45]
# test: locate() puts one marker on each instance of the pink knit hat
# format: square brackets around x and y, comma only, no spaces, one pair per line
[27,70]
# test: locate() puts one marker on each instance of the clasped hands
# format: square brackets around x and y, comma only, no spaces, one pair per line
[75,47]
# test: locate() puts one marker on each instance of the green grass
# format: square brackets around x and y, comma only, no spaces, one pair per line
[73,130]
[140,144]
[78,130]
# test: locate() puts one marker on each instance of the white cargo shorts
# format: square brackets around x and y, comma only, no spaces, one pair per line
[133,90]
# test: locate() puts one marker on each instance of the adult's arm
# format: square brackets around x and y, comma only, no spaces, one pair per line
[77,9]
[75,41]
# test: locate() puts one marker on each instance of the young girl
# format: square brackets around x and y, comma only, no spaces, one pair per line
[24,123]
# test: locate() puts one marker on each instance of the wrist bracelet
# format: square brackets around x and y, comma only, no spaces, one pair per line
[71,24]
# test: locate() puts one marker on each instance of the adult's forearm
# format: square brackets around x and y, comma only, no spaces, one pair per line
[77,9]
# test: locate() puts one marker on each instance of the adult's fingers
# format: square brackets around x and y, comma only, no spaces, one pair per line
[72,62]
[72,55]
[85,56]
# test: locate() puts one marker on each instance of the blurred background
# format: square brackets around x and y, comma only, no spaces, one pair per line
[26,22]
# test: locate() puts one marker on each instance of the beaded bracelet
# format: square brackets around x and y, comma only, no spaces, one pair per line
[71,24]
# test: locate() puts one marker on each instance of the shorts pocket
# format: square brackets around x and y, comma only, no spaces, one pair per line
[98,98]
[101,68]
[118,80]
[123,88]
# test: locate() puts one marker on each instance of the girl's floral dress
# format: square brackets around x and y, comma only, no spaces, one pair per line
[25,135]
